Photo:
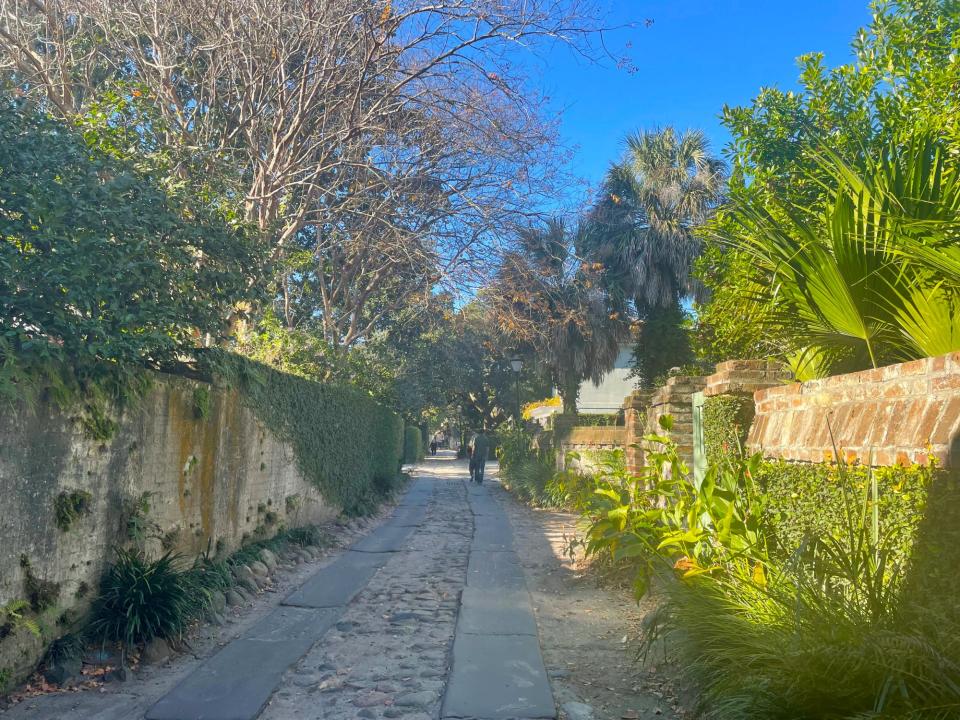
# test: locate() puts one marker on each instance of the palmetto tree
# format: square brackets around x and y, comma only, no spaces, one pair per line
[549,300]
[872,276]
[666,184]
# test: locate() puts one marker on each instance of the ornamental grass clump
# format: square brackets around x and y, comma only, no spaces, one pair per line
[143,599]
[789,610]
[842,628]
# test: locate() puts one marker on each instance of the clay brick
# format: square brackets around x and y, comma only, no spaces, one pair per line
[929,419]
[945,382]
[915,367]
[937,364]
[870,376]
[945,429]
[883,458]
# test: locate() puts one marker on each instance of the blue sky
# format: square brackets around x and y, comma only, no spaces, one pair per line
[696,56]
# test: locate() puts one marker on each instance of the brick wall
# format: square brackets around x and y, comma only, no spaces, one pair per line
[635,422]
[888,416]
[745,377]
[676,399]
[589,442]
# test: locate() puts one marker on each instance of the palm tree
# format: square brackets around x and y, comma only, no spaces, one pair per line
[549,300]
[872,276]
[643,226]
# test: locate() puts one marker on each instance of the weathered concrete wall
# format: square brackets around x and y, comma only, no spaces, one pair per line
[210,481]
[897,414]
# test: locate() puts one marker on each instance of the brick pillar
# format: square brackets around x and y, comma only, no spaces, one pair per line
[745,377]
[634,419]
[675,399]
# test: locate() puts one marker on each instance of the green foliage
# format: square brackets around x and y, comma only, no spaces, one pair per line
[642,227]
[599,419]
[691,369]
[101,270]
[835,630]
[303,536]
[726,422]
[70,507]
[872,113]
[141,599]
[547,298]
[525,470]
[663,342]
[868,278]
[812,500]
[13,616]
[790,591]
[309,535]
[201,402]
[412,445]
[346,444]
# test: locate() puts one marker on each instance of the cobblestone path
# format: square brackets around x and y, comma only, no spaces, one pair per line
[428,617]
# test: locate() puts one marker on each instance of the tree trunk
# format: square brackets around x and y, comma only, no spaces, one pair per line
[569,392]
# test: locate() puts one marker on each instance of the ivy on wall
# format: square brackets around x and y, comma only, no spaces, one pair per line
[726,422]
[346,444]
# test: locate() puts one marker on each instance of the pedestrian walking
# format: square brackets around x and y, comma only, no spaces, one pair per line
[481,448]
[433,446]
[470,459]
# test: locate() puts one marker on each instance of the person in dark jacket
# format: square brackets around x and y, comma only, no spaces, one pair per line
[470,459]
[481,448]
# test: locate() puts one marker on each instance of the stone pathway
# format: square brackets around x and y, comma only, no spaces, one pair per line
[435,592]
[428,617]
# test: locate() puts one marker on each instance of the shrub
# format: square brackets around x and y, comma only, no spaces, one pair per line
[807,500]
[99,266]
[835,631]
[141,599]
[726,422]
[412,445]
[524,470]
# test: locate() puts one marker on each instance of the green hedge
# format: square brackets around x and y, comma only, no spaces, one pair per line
[412,445]
[599,419]
[726,422]
[348,445]
[811,499]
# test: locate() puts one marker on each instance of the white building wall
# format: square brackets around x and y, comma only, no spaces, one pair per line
[607,397]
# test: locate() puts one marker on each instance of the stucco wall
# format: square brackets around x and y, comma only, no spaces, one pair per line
[211,482]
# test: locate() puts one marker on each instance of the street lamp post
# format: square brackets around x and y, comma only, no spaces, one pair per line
[516,364]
